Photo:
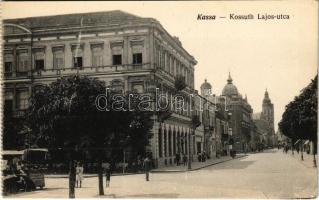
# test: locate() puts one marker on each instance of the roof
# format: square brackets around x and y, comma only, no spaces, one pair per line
[206,85]
[70,21]
[103,18]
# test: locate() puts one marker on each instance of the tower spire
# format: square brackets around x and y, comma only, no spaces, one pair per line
[266,94]
[229,80]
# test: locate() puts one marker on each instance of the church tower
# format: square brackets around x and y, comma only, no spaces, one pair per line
[267,113]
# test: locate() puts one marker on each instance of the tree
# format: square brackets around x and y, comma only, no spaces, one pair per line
[299,121]
[64,115]
[11,139]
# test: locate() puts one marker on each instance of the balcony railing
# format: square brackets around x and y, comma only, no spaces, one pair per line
[7,74]
[84,70]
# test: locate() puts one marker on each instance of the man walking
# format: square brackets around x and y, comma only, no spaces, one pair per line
[147,167]
[177,159]
[184,159]
[107,168]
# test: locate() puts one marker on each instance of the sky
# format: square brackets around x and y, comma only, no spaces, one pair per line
[280,55]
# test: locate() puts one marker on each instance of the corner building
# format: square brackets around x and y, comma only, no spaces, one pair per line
[128,52]
[241,121]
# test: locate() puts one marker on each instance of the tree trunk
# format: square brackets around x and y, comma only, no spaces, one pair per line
[314,154]
[292,150]
[301,148]
[72,177]
[100,176]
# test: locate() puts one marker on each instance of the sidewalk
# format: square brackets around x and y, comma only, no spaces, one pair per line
[196,165]
[181,168]
[88,175]
[307,158]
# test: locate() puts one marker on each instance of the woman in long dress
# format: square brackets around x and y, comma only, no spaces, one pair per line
[79,174]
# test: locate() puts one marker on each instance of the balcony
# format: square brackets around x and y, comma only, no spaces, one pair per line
[83,70]
[22,74]
[92,70]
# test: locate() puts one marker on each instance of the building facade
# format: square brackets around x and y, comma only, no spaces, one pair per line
[217,130]
[241,116]
[128,52]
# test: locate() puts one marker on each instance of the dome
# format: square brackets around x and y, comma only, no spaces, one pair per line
[206,85]
[230,89]
[206,88]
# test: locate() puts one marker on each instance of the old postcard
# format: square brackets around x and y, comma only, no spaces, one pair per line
[194,99]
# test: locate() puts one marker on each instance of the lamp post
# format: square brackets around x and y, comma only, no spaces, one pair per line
[189,166]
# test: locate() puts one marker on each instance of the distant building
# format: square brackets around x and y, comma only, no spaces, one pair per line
[256,115]
[265,121]
[268,110]
[241,116]
[217,127]
[199,137]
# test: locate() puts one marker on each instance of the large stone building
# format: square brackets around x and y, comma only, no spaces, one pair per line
[126,51]
[241,116]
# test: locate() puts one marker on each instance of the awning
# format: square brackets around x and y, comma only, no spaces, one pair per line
[12,152]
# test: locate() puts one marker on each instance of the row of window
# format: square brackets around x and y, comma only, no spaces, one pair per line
[172,65]
[23,59]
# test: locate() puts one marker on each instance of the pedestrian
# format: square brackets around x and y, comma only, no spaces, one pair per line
[147,167]
[184,159]
[199,157]
[204,156]
[107,176]
[177,159]
[79,174]
[107,170]
[19,168]
[140,164]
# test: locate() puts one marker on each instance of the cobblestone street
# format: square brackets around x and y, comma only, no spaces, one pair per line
[270,174]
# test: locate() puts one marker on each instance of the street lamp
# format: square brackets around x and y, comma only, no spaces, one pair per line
[189,166]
